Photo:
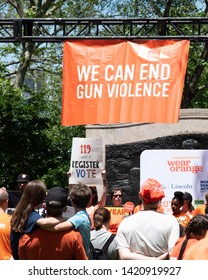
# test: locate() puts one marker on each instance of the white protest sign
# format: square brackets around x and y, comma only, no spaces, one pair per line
[177,170]
[86,161]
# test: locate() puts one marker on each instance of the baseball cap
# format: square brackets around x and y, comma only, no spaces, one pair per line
[57,197]
[152,191]
[23,178]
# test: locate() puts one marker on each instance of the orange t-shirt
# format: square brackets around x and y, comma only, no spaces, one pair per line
[117,215]
[200,209]
[183,219]
[176,250]
[50,245]
[5,227]
[191,214]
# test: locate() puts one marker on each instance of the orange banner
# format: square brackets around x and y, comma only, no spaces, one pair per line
[120,81]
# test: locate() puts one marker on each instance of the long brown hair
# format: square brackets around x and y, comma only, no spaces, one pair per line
[33,195]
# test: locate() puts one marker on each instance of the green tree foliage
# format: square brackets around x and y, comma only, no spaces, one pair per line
[32,139]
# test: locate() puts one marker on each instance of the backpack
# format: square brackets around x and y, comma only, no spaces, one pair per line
[100,254]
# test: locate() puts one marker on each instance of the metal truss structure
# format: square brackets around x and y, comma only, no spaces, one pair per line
[58,30]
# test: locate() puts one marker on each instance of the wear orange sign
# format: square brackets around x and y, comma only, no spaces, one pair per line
[119,81]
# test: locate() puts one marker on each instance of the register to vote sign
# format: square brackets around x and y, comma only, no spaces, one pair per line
[86,161]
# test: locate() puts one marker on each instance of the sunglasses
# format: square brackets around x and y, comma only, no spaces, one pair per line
[115,195]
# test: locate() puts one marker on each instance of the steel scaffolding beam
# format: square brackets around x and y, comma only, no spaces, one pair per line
[58,30]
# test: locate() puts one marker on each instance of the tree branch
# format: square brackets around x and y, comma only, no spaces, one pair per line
[18,7]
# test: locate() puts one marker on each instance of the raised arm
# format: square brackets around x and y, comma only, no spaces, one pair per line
[102,201]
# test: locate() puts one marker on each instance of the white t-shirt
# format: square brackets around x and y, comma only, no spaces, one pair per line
[148,232]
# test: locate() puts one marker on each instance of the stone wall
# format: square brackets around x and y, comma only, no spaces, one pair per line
[124,143]
[191,121]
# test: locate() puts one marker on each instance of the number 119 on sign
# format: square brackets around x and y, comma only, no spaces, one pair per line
[85,149]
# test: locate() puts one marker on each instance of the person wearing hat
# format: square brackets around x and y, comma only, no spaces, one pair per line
[147,234]
[22,181]
[14,195]
[43,244]
[188,207]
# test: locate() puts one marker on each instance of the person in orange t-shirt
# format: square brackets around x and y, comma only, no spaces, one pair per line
[201,208]
[49,245]
[176,205]
[53,245]
[5,227]
[195,230]
[116,201]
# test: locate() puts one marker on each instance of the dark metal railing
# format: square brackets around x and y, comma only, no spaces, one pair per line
[58,30]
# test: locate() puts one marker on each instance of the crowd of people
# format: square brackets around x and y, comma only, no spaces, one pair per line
[145,233]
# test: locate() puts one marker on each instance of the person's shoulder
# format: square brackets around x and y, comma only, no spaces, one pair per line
[5,216]
[94,233]
[125,221]
[100,233]
[82,213]
[34,213]
[34,216]
[80,217]
[31,221]
[191,242]
[192,251]
[24,238]
[151,214]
